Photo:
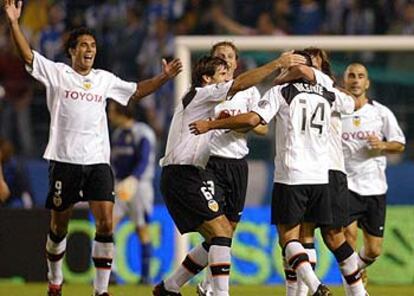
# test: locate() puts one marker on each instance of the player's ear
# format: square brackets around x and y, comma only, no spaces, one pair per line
[71,52]
[368,84]
[206,79]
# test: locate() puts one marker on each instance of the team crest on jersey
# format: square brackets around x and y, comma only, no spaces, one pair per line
[87,84]
[356,121]
[263,104]
[213,205]
[57,201]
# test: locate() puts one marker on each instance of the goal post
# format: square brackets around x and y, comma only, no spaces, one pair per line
[185,45]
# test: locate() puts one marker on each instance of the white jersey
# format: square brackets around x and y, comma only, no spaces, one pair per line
[78,124]
[183,147]
[336,155]
[302,129]
[365,169]
[228,143]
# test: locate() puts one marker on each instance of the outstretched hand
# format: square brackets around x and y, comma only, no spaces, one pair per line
[12,10]
[199,127]
[172,68]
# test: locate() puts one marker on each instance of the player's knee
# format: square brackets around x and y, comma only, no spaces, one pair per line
[373,250]
[58,229]
[104,226]
[333,238]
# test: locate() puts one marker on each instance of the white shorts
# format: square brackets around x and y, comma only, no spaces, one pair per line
[139,207]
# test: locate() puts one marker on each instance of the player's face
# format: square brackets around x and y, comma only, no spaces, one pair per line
[221,75]
[229,55]
[356,80]
[84,53]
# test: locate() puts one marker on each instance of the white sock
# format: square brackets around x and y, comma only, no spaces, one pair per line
[291,283]
[302,287]
[55,250]
[207,281]
[364,260]
[102,254]
[348,264]
[219,260]
[193,263]
[346,286]
[299,261]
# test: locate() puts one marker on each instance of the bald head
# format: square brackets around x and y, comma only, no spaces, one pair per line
[356,79]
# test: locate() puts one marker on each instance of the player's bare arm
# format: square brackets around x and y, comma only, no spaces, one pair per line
[295,73]
[13,13]
[246,120]
[391,147]
[260,130]
[257,75]
[169,71]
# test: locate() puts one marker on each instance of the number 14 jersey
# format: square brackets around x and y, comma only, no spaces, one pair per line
[303,113]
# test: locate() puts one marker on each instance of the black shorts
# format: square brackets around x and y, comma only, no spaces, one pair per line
[338,193]
[71,183]
[189,196]
[294,204]
[369,211]
[230,177]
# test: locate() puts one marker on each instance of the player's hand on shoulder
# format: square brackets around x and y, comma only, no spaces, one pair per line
[199,127]
[126,188]
[12,10]
[289,59]
[172,68]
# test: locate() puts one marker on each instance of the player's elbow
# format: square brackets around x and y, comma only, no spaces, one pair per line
[253,120]
[400,148]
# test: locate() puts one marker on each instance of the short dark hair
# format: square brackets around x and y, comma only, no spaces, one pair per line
[207,65]
[224,43]
[72,41]
[306,55]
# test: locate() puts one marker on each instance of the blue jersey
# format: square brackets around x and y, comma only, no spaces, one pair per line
[133,152]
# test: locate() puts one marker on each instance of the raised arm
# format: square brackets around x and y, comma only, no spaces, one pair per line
[295,73]
[169,71]
[257,75]
[13,13]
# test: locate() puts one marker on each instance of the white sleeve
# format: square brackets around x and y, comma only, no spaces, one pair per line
[269,104]
[120,90]
[391,130]
[218,92]
[322,79]
[343,103]
[254,98]
[44,70]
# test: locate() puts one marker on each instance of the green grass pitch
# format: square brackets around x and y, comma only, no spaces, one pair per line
[128,290]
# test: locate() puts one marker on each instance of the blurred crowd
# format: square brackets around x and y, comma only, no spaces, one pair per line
[133,36]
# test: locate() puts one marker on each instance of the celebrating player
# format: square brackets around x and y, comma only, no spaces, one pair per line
[226,164]
[367,136]
[189,194]
[332,234]
[301,178]
[78,148]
